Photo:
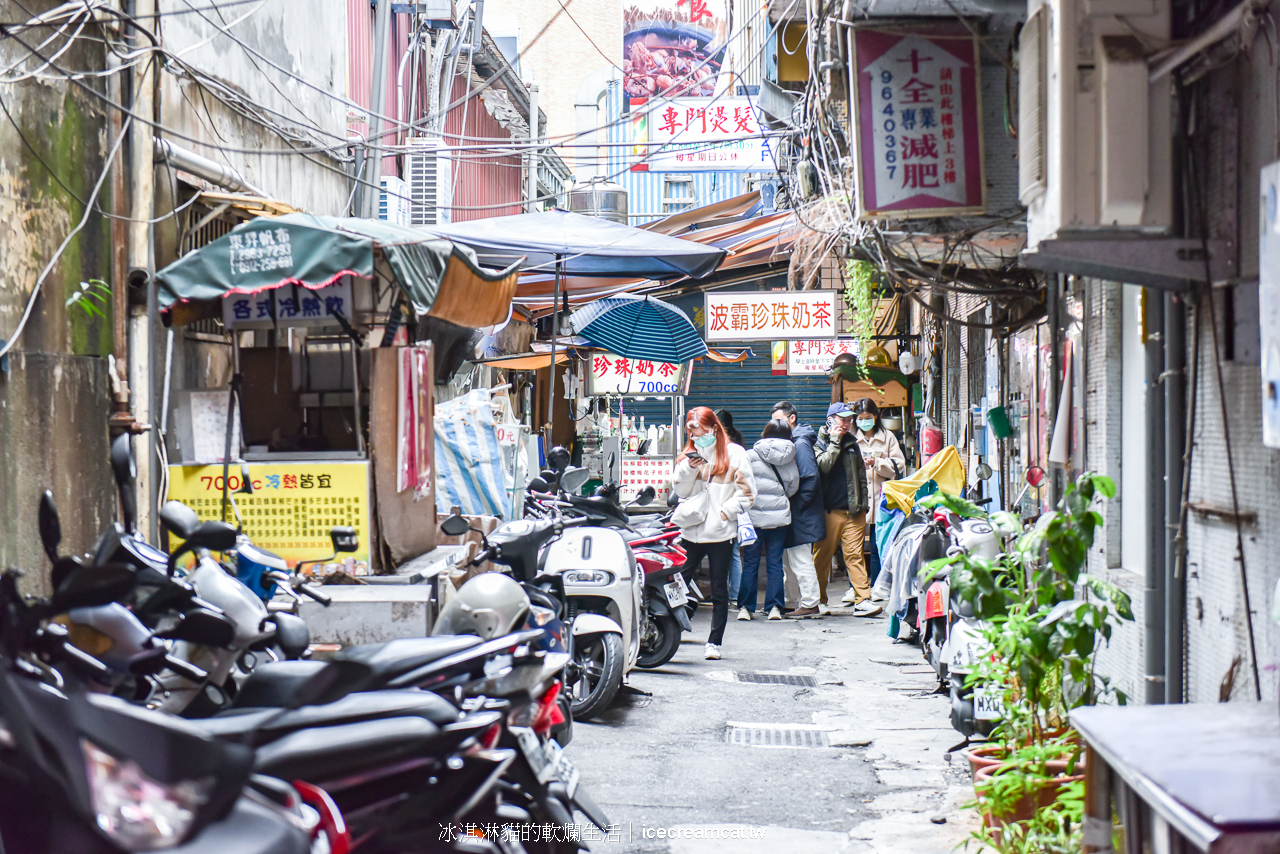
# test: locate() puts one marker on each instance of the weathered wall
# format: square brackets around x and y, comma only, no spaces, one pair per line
[54,395]
[306,37]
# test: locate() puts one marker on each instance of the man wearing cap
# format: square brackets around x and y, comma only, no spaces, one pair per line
[844,497]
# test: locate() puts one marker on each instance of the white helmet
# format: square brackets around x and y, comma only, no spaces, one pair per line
[489,605]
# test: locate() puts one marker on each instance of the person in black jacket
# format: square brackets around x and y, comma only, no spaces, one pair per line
[808,521]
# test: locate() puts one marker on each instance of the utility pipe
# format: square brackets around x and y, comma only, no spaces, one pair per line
[534,139]
[1153,588]
[202,167]
[1163,63]
[1175,414]
[477,30]
[378,103]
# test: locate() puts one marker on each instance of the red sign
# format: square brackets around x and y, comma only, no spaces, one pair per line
[919,128]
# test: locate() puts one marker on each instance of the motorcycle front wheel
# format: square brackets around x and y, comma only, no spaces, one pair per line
[661,643]
[600,661]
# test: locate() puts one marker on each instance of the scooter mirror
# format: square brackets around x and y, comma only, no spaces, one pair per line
[344,539]
[537,484]
[1035,476]
[559,458]
[92,587]
[646,495]
[338,679]
[642,449]
[608,466]
[204,627]
[50,527]
[246,482]
[672,499]
[573,478]
[292,635]
[179,519]
[125,471]
[983,472]
[456,526]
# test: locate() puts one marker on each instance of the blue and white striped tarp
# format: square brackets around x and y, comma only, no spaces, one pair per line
[469,467]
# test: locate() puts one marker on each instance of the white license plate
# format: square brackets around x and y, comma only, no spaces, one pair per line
[547,760]
[675,596]
[986,704]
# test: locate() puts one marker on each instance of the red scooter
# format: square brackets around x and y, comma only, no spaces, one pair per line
[666,595]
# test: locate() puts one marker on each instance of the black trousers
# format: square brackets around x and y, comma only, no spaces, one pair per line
[719,556]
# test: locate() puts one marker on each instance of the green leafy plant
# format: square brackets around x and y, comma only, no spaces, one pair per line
[859,297]
[91,292]
[1042,619]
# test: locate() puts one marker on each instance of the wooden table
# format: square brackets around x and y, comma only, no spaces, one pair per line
[1182,778]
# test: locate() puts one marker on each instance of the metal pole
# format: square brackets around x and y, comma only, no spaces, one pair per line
[378,104]
[535,137]
[551,370]
[1154,592]
[1175,437]
[1055,379]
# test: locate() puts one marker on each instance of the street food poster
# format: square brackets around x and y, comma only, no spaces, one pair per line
[413,442]
[697,135]
[673,47]
[609,373]
[639,472]
[919,124]
[769,315]
[814,358]
[292,508]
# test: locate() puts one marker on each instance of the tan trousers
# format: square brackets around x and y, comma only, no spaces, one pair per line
[848,531]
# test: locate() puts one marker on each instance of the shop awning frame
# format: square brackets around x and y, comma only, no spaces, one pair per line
[437,277]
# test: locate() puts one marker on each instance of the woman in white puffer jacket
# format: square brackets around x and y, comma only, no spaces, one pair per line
[777,477]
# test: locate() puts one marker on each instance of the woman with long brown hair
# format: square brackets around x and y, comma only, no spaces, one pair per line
[713,479]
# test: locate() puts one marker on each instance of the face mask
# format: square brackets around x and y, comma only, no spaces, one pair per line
[865,424]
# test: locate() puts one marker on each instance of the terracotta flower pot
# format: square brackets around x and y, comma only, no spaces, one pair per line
[985,756]
[1025,808]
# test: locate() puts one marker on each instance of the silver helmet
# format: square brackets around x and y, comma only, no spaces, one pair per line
[489,605]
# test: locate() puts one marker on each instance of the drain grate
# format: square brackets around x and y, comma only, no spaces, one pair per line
[764,735]
[777,679]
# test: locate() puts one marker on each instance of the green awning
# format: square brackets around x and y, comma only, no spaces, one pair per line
[437,276]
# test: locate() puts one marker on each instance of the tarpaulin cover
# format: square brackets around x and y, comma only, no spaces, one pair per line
[469,468]
[589,246]
[313,251]
[945,468]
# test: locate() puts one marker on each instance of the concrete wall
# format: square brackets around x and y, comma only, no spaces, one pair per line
[54,395]
[308,38]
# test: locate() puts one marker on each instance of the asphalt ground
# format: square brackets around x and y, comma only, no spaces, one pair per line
[871,775]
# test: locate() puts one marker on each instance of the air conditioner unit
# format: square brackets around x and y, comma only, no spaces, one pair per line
[430,174]
[393,202]
[1094,141]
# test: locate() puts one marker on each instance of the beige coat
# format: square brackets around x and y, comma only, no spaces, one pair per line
[882,450]
[731,493]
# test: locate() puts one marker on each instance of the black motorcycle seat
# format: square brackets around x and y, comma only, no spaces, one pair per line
[273,685]
[324,754]
[268,724]
[394,658]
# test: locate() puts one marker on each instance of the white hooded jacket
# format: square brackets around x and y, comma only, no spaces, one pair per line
[731,493]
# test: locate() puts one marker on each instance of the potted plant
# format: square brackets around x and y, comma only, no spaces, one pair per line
[1043,617]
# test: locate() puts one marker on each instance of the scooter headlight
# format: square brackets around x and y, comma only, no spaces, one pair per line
[137,812]
[593,577]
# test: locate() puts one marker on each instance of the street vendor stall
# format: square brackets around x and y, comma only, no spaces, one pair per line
[331,396]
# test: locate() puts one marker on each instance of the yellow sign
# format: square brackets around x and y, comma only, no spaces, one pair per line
[292,507]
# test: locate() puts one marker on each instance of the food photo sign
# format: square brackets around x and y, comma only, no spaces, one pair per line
[919,124]
[673,48]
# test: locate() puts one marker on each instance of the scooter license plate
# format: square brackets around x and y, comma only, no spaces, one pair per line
[675,596]
[558,767]
[986,704]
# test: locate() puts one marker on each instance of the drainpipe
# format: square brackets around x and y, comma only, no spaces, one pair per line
[534,138]
[141,272]
[1153,592]
[1053,299]
[378,107]
[1175,438]
[121,418]
[202,167]
[477,30]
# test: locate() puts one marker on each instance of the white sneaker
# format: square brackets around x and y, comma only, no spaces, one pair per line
[775,614]
[744,614]
[713,652]
[867,609]
[850,598]
[823,610]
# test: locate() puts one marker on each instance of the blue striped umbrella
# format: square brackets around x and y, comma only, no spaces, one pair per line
[640,328]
